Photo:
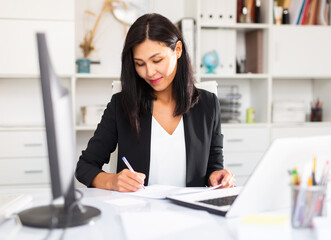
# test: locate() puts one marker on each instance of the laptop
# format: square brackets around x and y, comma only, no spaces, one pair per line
[268,187]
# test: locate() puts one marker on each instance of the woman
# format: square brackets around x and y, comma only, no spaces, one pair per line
[169,131]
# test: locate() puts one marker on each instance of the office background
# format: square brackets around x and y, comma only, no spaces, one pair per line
[273,98]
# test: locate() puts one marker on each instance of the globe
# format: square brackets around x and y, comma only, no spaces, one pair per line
[210,61]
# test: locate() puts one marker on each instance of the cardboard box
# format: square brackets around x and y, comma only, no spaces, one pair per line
[288,111]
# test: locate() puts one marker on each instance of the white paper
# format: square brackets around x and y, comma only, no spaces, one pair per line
[162,191]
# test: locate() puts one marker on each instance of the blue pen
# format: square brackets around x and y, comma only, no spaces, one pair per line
[129,166]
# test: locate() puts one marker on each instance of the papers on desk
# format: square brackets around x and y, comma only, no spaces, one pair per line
[162,191]
[169,225]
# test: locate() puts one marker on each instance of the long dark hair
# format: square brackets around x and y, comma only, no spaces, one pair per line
[136,93]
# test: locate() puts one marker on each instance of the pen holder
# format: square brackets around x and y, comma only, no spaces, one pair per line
[307,203]
[316,115]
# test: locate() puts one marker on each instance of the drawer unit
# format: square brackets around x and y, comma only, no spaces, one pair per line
[23,144]
[16,171]
[243,140]
[242,164]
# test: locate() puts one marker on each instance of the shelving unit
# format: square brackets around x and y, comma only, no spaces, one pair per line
[295,66]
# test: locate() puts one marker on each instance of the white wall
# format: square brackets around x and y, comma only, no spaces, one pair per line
[110,34]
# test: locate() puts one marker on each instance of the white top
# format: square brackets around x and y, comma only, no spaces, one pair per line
[168,156]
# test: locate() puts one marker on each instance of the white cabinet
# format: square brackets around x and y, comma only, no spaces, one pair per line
[23,144]
[243,148]
[295,67]
[301,50]
[19,45]
[245,139]
[300,131]
[23,157]
[62,10]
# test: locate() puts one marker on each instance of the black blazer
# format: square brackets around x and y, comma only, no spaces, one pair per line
[203,140]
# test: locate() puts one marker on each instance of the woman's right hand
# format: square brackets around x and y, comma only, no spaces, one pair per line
[124,181]
[127,181]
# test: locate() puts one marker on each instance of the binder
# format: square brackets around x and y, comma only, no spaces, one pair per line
[232,9]
[187,27]
[228,9]
[208,11]
[216,12]
[254,54]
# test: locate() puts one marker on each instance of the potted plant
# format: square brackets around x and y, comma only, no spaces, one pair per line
[87,45]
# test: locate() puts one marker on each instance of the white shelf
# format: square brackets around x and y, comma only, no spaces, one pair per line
[21,128]
[237,26]
[235,76]
[244,125]
[96,76]
[26,76]
[302,125]
[85,127]
[294,77]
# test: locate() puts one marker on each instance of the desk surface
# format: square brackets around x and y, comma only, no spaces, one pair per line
[111,224]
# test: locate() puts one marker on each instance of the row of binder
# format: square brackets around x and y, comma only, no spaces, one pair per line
[218,12]
[223,42]
[308,12]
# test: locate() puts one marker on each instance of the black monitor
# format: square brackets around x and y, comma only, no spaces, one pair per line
[61,152]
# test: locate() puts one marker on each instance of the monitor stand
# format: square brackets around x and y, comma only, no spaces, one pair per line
[57,216]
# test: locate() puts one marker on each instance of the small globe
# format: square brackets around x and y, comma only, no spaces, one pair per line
[210,60]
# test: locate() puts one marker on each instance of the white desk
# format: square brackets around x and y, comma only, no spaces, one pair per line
[109,225]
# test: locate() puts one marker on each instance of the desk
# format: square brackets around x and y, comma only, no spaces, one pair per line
[109,225]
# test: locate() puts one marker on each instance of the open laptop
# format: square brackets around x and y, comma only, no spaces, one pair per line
[268,188]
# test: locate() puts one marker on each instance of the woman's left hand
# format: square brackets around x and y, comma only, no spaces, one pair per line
[224,177]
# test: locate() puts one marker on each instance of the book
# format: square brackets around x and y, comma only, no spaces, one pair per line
[313,12]
[321,17]
[301,12]
[305,13]
[254,54]
[294,9]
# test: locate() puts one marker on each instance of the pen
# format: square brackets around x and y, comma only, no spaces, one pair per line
[129,166]
[314,170]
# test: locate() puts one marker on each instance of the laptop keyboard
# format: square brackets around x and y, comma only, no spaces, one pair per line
[222,201]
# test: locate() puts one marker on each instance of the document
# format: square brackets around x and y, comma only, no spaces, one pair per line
[162,191]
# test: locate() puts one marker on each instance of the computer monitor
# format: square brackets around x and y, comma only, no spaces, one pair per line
[61,152]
